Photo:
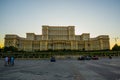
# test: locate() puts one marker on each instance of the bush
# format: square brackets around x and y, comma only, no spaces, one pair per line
[116,48]
[10,48]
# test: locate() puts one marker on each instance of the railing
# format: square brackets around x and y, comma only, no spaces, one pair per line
[48,54]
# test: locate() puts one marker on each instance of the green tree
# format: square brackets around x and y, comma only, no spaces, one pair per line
[0,49]
[116,47]
[10,48]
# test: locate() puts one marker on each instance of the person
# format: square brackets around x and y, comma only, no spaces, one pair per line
[110,57]
[6,61]
[12,60]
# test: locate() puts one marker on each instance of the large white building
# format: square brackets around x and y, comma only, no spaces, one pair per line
[57,38]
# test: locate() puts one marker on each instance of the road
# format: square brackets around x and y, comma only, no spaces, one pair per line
[70,69]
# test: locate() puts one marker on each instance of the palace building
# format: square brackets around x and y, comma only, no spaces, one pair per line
[57,38]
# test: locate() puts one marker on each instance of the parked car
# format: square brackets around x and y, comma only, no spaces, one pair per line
[95,58]
[53,59]
[88,57]
[81,58]
[85,58]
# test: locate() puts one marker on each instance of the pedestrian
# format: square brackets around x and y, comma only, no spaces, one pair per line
[6,61]
[110,57]
[12,60]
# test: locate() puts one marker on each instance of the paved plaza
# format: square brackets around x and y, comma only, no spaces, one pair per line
[69,69]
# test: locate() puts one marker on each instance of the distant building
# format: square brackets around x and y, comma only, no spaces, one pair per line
[57,38]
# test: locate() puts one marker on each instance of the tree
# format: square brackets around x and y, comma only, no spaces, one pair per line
[116,47]
[10,48]
[0,49]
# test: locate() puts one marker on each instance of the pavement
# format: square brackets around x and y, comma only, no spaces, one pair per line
[69,69]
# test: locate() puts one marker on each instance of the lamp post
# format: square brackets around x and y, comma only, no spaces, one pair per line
[89,43]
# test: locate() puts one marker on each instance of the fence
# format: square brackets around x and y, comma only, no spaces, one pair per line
[48,54]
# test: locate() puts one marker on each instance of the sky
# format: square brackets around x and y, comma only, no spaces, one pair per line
[97,17]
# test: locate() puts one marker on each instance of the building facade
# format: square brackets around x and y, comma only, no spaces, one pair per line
[57,38]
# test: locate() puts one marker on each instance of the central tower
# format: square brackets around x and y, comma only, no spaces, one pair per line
[58,37]
[58,32]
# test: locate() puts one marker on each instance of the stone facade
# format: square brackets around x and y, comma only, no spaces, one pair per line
[57,38]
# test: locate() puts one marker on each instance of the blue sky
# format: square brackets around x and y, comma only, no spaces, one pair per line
[97,17]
